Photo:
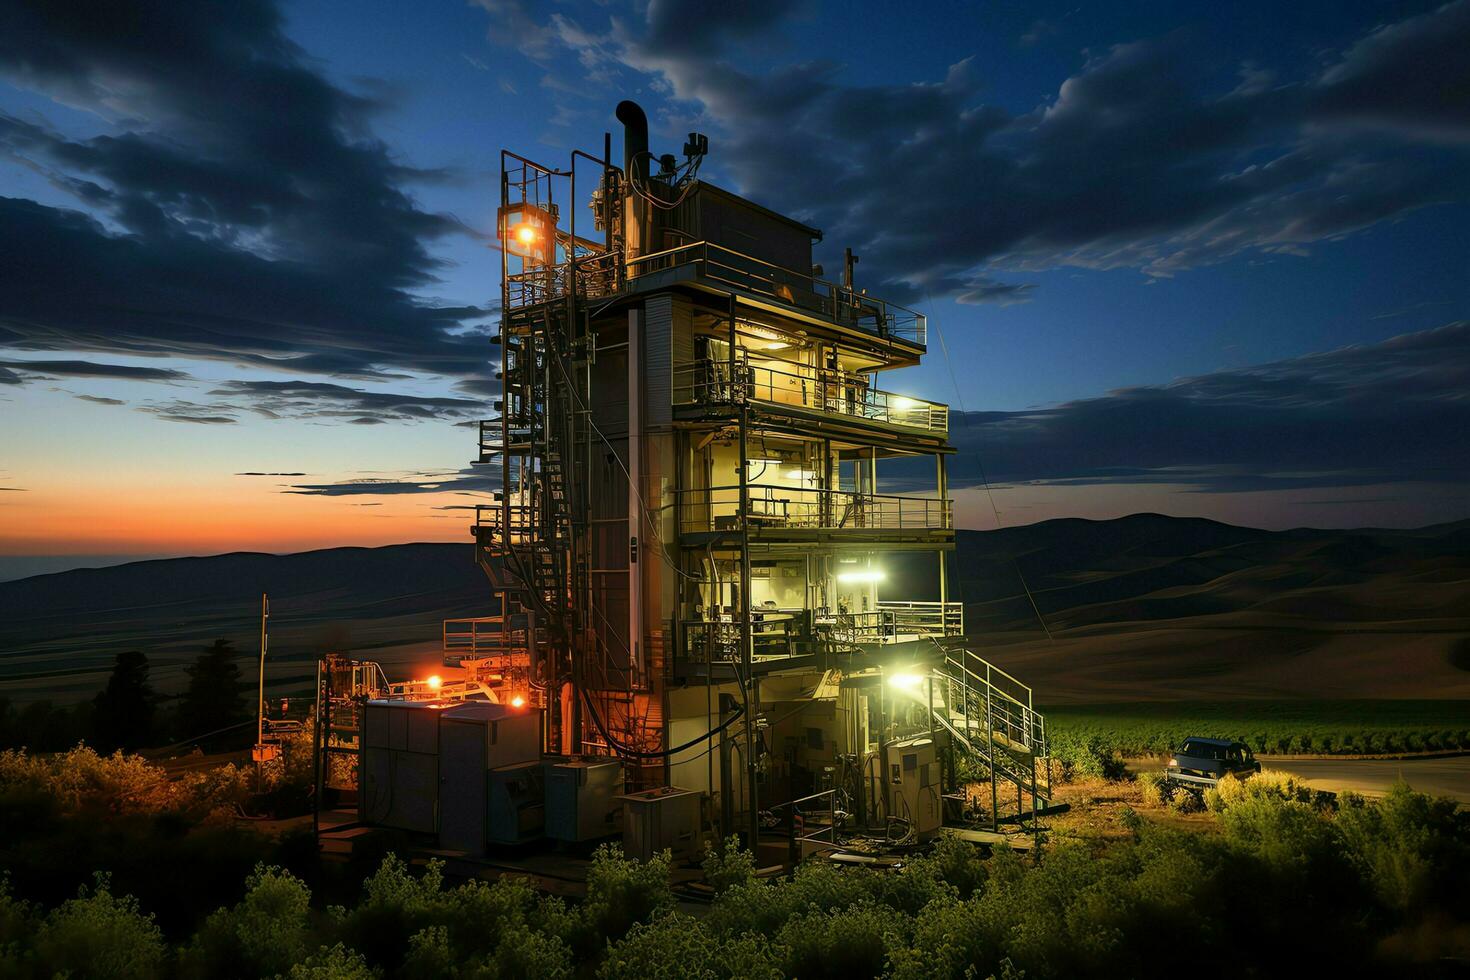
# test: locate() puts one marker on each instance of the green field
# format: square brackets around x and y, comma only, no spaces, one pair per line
[1269,727]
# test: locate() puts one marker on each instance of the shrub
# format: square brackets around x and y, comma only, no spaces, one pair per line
[1184,799]
[337,963]
[622,891]
[669,948]
[725,868]
[82,783]
[525,952]
[263,935]
[1154,787]
[1414,851]
[98,934]
[841,943]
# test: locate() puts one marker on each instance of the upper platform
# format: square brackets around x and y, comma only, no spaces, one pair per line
[715,269]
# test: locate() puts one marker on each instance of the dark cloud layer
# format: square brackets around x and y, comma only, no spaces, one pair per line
[244,211]
[469,481]
[1155,155]
[1391,412]
[28,370]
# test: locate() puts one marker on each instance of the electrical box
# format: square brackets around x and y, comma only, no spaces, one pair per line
[477,738]
[517,803]
[399,765]
[510,735]
[913,783]
[582,799]
[661,819]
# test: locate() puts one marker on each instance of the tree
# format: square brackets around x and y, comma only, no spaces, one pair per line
[214,698]
[123,711]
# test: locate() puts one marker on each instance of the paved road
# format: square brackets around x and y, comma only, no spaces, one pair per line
[1372,777]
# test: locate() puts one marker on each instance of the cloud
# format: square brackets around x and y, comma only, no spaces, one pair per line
[472,478]
[239,208]
[96,400]
[324,400]
[89,369]
[1144,158]
[258,473]
[1372,414]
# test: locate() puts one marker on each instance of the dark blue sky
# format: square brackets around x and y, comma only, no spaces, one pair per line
[1169,245]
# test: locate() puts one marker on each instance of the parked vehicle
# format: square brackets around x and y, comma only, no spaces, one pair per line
[1203,761]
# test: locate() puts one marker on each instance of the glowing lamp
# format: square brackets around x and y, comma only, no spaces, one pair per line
[906,682]
[527,231]
[517,702]
[868,575]
[434,682]
[902,404]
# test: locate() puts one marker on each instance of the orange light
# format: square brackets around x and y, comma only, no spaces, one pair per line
[525,234]
[517,702]
[434,681]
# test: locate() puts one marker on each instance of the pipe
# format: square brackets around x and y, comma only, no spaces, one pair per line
[636,224]
[635,137]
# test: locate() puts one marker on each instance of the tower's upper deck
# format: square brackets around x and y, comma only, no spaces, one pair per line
[670,230]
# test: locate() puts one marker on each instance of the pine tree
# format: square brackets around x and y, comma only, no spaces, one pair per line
[123,711]
[215,696]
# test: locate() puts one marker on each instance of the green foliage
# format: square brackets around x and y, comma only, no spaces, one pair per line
[82,783]
[98,934]
[1268,727]
[1154,788]
[725,868]
[622,891]
[838,943]
[268,931]
[336,963]
[1185,799]
[1288,887]
[1087,755]
[1411,849]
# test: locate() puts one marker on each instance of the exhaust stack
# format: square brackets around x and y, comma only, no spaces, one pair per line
[636,224]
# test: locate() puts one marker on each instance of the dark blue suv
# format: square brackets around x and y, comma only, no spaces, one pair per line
[1202,761]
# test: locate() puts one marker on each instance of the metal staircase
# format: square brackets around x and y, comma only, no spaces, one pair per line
[990,715]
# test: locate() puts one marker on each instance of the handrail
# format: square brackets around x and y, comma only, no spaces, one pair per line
[794,288]
[771,505]
[708,381]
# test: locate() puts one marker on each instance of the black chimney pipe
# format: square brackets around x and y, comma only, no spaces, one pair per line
[635,138]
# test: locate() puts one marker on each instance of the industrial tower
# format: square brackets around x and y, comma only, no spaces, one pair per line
[710,507]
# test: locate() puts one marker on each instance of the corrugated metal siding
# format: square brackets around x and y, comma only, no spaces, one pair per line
[658,360]
[682,345]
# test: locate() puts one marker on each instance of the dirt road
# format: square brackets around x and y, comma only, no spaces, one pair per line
[1449,776]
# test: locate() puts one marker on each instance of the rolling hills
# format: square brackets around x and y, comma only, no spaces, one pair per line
[1140,608]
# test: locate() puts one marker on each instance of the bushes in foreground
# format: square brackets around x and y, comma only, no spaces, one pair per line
[1286,887]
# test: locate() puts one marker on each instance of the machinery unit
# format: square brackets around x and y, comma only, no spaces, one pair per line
[915,795]
[475,738]
[661,819]
[399,763]
[583,799]
[517,803]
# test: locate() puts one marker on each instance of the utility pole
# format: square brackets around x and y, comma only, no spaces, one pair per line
[265,612]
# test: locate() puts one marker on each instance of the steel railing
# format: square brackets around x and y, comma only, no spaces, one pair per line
[797,289]
[896,621]
[926,618]
[712,381]
[719,509]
